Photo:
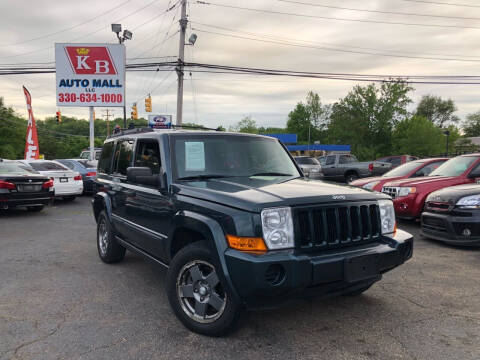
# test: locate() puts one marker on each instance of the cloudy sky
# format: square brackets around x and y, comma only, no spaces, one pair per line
[338,43]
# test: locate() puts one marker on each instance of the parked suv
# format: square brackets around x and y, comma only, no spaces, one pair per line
[236,223]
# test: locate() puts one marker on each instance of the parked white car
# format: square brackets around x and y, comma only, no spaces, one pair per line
[67,183]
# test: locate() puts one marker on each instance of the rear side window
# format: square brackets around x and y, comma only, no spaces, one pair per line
[105,162]
[124,153]
[346,159]
[148,155]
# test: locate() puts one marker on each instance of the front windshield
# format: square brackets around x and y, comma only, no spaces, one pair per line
[402,170]
[14,169]
[230,156]
[455,166]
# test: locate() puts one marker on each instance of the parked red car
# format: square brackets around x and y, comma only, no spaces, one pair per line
[397,160]
[409,194]
[411,169]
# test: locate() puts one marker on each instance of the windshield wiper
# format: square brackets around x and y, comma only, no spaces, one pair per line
[202,177]
[271,174]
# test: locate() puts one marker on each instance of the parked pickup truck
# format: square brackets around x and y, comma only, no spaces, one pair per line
[346,167]
[409,194]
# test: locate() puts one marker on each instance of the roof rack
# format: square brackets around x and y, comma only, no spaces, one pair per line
[137,129]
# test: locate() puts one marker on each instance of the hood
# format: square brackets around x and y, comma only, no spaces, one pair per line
[255,194]
[452,194]
[424,180]
[361,182]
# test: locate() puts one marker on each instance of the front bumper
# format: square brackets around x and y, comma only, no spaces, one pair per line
[407,207]
[451,228]
[278,276]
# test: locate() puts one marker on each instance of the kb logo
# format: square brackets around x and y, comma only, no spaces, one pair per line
[92,60]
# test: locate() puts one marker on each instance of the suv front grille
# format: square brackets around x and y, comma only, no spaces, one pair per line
[392,191]
[337,226]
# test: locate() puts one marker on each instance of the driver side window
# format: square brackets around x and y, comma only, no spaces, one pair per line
[148,155]
[475,173]
[330,160]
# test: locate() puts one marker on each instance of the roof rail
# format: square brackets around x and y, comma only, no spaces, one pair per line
[130,131]
[194,127]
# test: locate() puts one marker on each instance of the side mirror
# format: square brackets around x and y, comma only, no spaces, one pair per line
[142,175]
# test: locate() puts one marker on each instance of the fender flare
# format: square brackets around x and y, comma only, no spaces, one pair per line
[104,199]
[213,233]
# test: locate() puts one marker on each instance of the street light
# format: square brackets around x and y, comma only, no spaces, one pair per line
[127,35]
[192,39]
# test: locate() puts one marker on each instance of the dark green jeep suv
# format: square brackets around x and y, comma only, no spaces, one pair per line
[236,223]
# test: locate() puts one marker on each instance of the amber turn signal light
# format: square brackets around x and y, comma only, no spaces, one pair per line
[246,243]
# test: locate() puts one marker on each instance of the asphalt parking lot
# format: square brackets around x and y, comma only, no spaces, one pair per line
[59,301]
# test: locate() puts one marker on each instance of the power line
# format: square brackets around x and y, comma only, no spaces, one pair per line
[68,28]
[276,37]
[379,11]
[443,3]
[335,18]
[279,42]
[83,36]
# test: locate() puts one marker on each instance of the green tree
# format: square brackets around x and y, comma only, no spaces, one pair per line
[246,125]
[419,136]
[309,120]
[12,133]
[438,111]
[471,126]
[366,117]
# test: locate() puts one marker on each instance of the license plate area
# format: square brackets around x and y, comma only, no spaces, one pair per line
[360,268]
[28,188]
[63,179]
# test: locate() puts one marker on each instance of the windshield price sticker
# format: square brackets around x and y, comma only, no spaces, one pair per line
[90,74]
[194,156]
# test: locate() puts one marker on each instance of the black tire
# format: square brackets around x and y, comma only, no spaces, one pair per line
[109,251]
[358,291]
[69,198]
[36,208]
[351,177]
[218,319]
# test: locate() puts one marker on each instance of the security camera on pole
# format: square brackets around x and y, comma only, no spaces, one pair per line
[181,56]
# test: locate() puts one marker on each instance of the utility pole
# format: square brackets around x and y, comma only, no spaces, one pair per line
[107,115]
[181,56]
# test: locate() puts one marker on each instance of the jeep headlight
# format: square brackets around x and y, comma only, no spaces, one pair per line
[370,185]
[277,226]
[404,191]
[469,202]
[387,216]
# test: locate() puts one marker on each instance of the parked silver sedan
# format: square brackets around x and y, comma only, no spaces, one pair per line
[310,166]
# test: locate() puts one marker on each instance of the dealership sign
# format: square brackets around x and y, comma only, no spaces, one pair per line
[160,121]
[90,74]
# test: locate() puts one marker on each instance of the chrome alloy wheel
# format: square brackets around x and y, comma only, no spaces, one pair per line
[200,293]
[103,237]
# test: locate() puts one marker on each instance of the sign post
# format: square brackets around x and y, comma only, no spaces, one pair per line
[92,135]
[90,75]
